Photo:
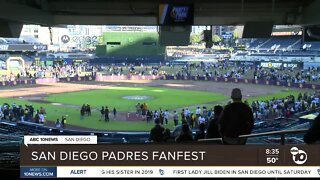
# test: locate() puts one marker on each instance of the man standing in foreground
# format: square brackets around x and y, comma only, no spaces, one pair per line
[236,119]
[313,134]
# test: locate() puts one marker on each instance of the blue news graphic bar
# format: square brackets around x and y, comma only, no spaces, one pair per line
[38,172]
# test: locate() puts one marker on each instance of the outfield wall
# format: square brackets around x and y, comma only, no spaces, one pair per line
[17,82]
[164,77]
[244,81]
[212,79]
[124,77]
[45,80]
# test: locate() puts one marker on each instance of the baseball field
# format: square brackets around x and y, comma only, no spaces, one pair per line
[66,99]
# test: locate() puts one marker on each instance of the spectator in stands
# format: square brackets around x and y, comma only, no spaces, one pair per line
[201,133]
[313,133]
[185,134]
[157,132]
[236,119]
[213,129]
[167,134]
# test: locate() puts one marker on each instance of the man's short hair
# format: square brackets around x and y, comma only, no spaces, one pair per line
[236,93]
[217,110]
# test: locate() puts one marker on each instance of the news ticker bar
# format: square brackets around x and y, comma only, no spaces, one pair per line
[169,155]
[173,171]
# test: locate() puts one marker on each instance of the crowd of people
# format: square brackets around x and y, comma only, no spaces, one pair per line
[16,112]
[228,123]
[312,74]
[286,106]
[208,122]
[50,71]
[105,113]
[222,69]
[229,70]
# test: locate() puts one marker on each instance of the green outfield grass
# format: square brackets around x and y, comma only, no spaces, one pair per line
[160,98]
[165,98]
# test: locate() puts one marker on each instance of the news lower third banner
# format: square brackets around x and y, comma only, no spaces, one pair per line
[81,156]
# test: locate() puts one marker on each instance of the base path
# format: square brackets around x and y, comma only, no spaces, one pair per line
[50,88]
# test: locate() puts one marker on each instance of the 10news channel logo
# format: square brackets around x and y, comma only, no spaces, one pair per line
[299,156]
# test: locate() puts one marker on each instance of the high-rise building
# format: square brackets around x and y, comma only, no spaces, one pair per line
[198,29]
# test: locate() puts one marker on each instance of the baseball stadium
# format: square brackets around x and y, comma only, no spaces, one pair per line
[78,91]
[122,82]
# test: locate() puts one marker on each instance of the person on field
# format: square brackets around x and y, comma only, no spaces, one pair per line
[58,124]
[88,110]
[82,111]
[166,116]
[106,114]
[114,113]
[63,122]
[175,118]
[102,113]
[149,116]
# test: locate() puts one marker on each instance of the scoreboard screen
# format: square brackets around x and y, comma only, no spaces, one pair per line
[176,14]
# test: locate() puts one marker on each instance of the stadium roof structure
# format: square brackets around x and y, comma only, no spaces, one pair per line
[145,12]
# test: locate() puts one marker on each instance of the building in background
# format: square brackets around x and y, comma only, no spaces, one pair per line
[74,37]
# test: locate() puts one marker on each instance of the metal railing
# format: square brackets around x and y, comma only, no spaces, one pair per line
[281,133]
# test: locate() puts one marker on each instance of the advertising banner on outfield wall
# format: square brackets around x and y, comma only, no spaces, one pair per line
[17,82]
[270,64]
[246,81]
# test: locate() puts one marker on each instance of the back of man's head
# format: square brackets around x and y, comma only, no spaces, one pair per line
[217,110]
[236,94]
[157,121]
